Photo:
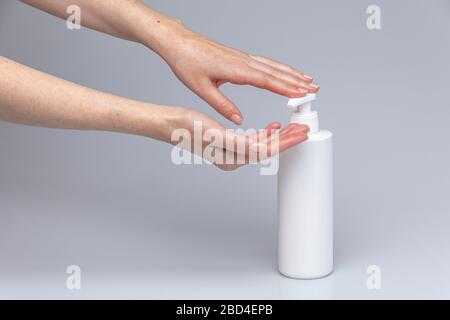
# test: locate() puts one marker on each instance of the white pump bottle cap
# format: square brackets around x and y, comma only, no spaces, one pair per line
[302,113]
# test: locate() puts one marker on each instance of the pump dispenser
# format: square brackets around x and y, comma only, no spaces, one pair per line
[305,199]
[302,113]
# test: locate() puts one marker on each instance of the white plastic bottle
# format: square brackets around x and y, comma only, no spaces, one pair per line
[305,199]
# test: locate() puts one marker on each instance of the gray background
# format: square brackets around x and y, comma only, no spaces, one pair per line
[141,227]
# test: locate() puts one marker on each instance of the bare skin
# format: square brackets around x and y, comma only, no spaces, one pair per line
[34,98]
[30,97]
[201,64]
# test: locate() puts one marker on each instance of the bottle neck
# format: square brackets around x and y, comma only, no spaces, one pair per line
[310,119]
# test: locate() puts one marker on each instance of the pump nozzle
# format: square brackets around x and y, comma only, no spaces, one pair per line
[302,112]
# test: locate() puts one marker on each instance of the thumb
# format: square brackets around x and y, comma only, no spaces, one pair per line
[216,99]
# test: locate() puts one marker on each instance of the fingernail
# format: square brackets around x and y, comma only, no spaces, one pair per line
[308,77]
[314,87]
[236,118]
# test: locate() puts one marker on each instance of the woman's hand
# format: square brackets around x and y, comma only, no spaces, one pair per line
[204,65]
[33,98]
[201,64]
[227,149]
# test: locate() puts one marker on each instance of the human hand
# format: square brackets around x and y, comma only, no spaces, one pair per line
[201,64]
[34,98]
[204,65]
[226,149]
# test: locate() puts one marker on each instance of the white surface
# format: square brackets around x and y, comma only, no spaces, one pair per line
[127,250]
[305,208]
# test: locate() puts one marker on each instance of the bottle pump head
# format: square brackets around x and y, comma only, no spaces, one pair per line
[302,113]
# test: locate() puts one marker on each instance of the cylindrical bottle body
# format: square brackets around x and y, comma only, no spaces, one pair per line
[305,208]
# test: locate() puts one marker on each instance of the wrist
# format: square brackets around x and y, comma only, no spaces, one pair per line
[166,37]
[148,120]
[154,30]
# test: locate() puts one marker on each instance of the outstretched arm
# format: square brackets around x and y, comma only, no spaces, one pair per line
[30,97]
[200,63]
[127,19]
[33,98]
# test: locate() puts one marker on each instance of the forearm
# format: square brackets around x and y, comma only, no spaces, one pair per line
[34,98]
[127,19]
